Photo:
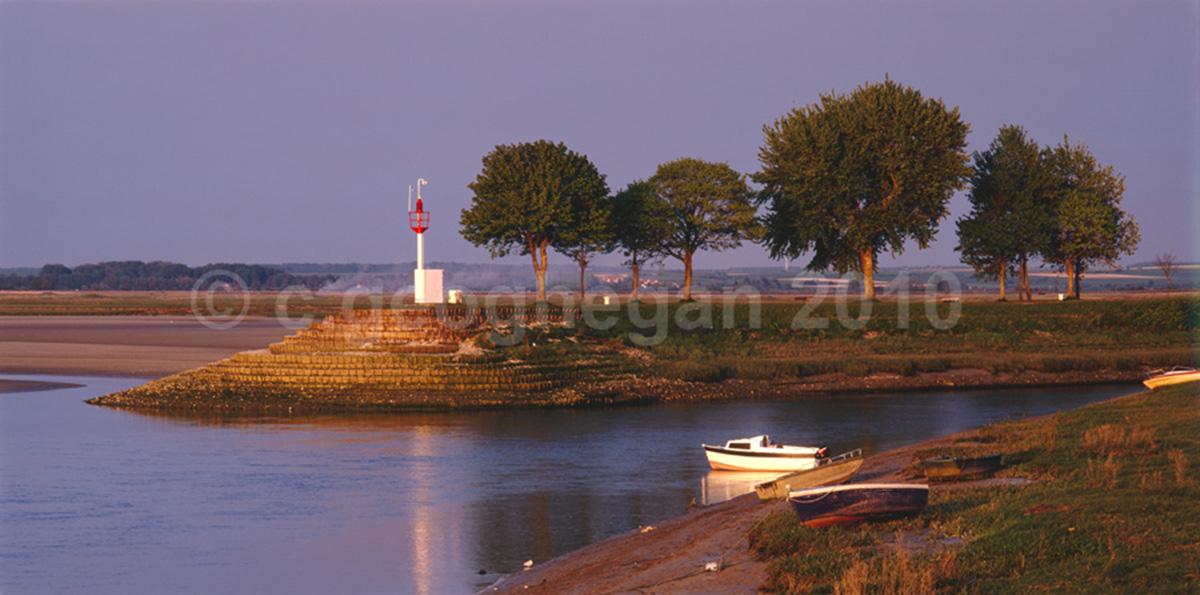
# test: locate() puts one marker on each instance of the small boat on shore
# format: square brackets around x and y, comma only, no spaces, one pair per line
[1175,375]
[759,453]
[951,468]
[831,471]
[854,503]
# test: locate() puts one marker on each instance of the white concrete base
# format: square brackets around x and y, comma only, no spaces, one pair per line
[427,285]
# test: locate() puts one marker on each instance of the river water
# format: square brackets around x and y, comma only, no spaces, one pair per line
[94,500]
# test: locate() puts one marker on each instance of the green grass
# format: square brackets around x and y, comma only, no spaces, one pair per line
[1114,506]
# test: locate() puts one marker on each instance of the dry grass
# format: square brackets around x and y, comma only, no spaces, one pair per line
[1179,460]
[1103,475]
[1110,439]
[893,574]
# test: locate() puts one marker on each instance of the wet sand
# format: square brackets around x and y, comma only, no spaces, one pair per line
[24,386]
[136,346]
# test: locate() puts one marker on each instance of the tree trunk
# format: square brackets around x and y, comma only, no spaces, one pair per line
[1023,282]
[540,269]
[633,295]
[1002,275]
[1078,278]
[687,276]
[582,277]
[1072,290]
[868,273]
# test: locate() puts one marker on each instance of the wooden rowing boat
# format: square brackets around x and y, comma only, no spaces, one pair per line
[831,471]
[951,468]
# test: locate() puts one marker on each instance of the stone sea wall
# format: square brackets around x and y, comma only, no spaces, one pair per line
[381,359]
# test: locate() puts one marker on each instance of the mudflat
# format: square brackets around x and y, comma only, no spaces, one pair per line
[136,346]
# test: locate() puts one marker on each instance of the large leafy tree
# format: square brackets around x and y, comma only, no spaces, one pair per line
[1012,210]
[639,227]
[527,199]
[856,174]
[708,207]
[1090,226]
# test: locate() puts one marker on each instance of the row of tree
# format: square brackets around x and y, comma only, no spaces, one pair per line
[135,275]
[1058,204]
[842,180]
[534,197]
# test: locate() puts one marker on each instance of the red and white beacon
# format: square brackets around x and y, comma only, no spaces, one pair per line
[427,283]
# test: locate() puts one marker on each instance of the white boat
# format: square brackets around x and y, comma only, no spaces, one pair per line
[1175,375]
[758,453]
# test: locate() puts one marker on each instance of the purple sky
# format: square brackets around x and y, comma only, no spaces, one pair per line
[275,131]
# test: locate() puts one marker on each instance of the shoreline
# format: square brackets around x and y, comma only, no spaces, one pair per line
[9,385]
[670,556]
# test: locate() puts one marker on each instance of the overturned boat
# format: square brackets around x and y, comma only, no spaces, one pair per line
[850,504]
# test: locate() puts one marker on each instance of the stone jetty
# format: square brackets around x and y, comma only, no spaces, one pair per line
[397,359]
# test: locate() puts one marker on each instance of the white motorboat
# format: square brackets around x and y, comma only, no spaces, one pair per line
[1175,375]
[759,453]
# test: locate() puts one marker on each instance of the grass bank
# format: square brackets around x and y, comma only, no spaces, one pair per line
[1112,504]
[776,341]
[784,341]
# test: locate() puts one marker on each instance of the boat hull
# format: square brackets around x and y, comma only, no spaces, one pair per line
[956,468]
[856,503]
[1169,379]
[825,475]
[723,459]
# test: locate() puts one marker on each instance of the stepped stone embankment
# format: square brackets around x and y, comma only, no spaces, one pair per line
[383,360]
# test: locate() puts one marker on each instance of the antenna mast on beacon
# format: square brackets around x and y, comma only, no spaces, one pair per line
[427,283]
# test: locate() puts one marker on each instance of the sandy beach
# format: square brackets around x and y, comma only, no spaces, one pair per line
[135,346]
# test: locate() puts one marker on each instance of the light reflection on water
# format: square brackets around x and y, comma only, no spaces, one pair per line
[102,501]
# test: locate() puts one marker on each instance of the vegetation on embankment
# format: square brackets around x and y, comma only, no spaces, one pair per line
[793,341]
[1112,504]
[794,347]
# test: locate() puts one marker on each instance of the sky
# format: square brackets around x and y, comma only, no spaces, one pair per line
[271,131]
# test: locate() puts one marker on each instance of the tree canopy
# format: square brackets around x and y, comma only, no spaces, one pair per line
[708,206]
[1089,225]
[856,174]
[1012,209]
[639,227]
[529,197]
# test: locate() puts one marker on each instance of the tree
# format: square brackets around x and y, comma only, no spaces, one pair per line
[708,207]
[526,199]
[588,234]
[1012,213]
[855,174]
[1090,226]
[639,226]
[1166,261]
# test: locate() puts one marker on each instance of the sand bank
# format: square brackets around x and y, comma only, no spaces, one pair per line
[137,346]
[24,386]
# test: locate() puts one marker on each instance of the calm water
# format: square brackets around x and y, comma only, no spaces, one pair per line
[101,501]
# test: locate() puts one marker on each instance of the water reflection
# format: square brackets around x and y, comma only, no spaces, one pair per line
[719,486]
[415,502]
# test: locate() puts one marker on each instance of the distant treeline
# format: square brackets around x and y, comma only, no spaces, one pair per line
[135,275]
